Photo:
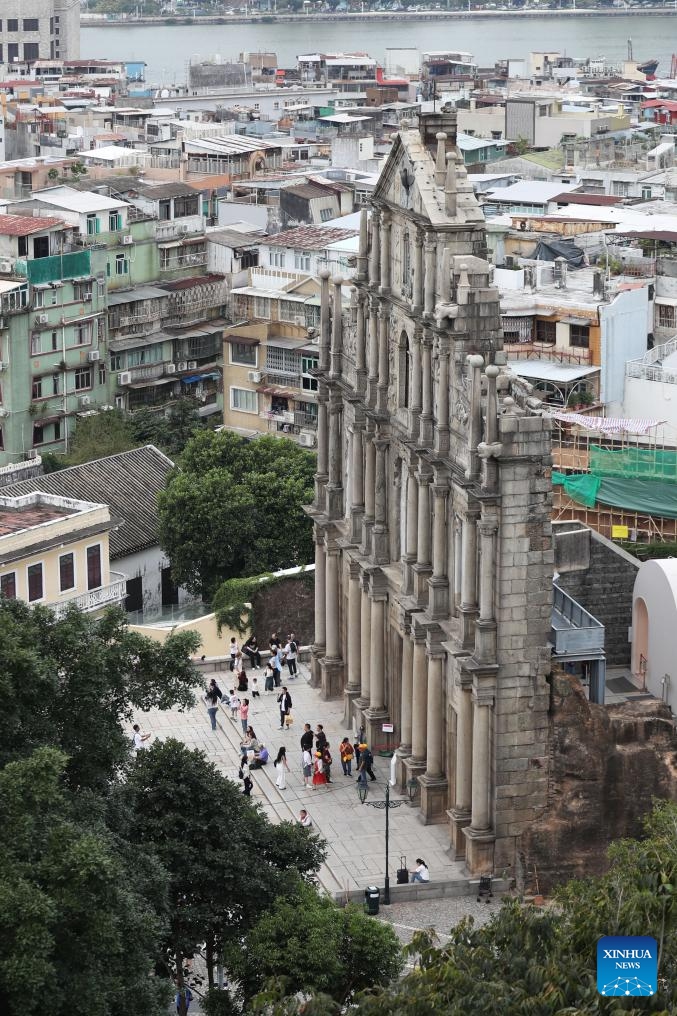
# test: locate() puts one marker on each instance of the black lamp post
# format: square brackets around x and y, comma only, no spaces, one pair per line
[386,805]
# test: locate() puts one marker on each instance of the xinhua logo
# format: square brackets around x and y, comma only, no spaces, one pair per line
[627,965]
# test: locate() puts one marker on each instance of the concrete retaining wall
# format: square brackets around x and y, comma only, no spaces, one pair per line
[418,892]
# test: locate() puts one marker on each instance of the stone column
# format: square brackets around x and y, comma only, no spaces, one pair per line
[417,307]
[357,481]
[320,640]
[375,256]
[422,569]
[363,256]
[361,344]
[458,561]
[362,702]
[442,428]
[476,363]
[380,542]
[383,363]
[429,278]
[335,484]
[377,654]
[406,691]
[479,835]
[485,628]
[332,664]
[386,253]
[325,320]
[372,359]
[322,475]
[369,490]
[416,392]
[415,764]
[353,641]
[433,782]
[468,607]
[336,328]
[411,544]
[426,425]
[438,583]
[460,814]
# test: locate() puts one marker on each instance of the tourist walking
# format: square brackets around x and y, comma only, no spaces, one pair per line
[366,761]
[234,653]
[346,752]
[307,763]
[282,767]
[276,660]
[212,698]
[244,715]
[320,738]
[327,762]
[269,679]
[290,655]
[140,739]
[319,775]
[285,704]
[420,873]
[251,651]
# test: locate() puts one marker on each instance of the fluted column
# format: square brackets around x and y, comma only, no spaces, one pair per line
[386,253]
[468,608]
[320,639]
[361,343]
[439,585]
[380,502]
[458,562]
[373,351]
[429,278]
[422,566]
[335,484]
[365,642]
[406,692]
[416,403]
[357,482]
[485,629]
[333,645]
[411,532]
[353,630]
[336,328]
[464,727]
[426,427]
[419,702]
[325,320]
[377,654]
[375,255]
[363,255]
[418,274]
[435,717]
[442,430]
[321,476]
[481,759]
[369,490]
[475,362]
[383,362]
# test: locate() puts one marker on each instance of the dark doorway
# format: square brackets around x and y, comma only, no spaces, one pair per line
[41,247]
[134,599]
[170,591]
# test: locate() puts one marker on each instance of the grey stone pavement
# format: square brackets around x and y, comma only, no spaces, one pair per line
[355,833]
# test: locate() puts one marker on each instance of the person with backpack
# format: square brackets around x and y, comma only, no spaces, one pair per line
[291,651]
[366,762]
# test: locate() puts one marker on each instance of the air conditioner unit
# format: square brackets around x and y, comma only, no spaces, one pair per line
[6,267]
[184,229]
[124,378]
[182,365]
[254,376]
[87,298]
[94,355]
[307,440]
[170,368]
[41,319]
[84,401]
[127,240]
[33,453]
[192,365]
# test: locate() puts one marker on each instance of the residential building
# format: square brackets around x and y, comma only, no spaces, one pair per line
[345,72]
[38,29]
[543,120]
[54,552]
[433,569]
[308,249]
[313,202]
[128,484]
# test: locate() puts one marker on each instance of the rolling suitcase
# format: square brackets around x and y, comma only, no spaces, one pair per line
[403,872]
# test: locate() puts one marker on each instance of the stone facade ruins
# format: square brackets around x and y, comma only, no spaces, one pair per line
[432,511]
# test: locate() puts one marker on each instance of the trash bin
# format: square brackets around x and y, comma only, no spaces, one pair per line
[372,897]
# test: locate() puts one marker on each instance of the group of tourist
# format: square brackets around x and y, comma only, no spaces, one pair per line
[282,654]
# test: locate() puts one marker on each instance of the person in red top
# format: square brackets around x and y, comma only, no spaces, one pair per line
[319,775]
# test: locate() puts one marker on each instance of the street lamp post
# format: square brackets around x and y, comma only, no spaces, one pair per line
[386,805]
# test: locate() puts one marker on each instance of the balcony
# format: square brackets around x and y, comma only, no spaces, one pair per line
[574,632]
[172,229]
[56,268]
[110,595]
[183,261]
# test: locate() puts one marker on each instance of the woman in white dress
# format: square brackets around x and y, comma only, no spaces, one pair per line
[282,767]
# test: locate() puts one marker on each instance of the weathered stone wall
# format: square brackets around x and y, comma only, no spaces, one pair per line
[600,576]
[284,607]
[606,764]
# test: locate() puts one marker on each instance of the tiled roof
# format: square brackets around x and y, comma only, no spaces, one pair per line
[309,237]
[17,519]
[22,225]
[128,482]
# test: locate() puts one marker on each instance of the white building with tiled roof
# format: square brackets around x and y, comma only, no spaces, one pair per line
[309,249]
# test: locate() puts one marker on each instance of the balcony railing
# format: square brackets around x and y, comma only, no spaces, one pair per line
[184,261]
[573,629]
[147,371]
[169,229]
[56,267]
[95,599]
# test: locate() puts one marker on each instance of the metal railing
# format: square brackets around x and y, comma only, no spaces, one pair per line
[114,592]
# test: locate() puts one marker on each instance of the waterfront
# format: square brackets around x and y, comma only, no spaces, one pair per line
[168,48]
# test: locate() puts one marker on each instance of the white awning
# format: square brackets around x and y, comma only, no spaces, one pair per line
[541,370]
[666,301]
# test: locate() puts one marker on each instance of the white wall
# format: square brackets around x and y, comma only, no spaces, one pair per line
[148,564]
[656,584]
[623,337]
[651,400]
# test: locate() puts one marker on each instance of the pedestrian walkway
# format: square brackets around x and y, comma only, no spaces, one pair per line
[355,832]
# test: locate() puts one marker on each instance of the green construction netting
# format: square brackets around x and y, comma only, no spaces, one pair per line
[649,463]
[581,487]
[648,497]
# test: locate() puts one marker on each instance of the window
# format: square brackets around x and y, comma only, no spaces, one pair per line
[44,342]
[308,383]
[646,194]
[66,572]
[144,354]
[261,307]
[83,379]
[188,205]
[286,361]
[517,330]
[243,400]
[290,310]
[8,585]
[121,265]
[41,245]
[619,188]
[82,334]
[31,51]
[23,249]
[34,582]
[13,52]
[94,567]
[56,384]
[82,290]
[92,225]
[31,25]
[38,433]
[545,332]
[326,214]
[12,24]
[102,373]
[302,260]
[277,258]
[114,222]
[36,391]
[117,361]
[312,315]
[579,335]
[164,210]
[666,316]
[243,354]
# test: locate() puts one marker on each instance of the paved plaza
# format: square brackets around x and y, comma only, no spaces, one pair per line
[355,833]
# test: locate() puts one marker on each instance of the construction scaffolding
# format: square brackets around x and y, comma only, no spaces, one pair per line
[619,478]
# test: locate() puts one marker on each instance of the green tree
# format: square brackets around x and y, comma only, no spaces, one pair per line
[79,919]
[236,508]
[169,432]
[72,682]
[227,863]
[99,435]
[309,944]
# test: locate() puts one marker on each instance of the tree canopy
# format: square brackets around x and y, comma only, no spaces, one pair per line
[235,508]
